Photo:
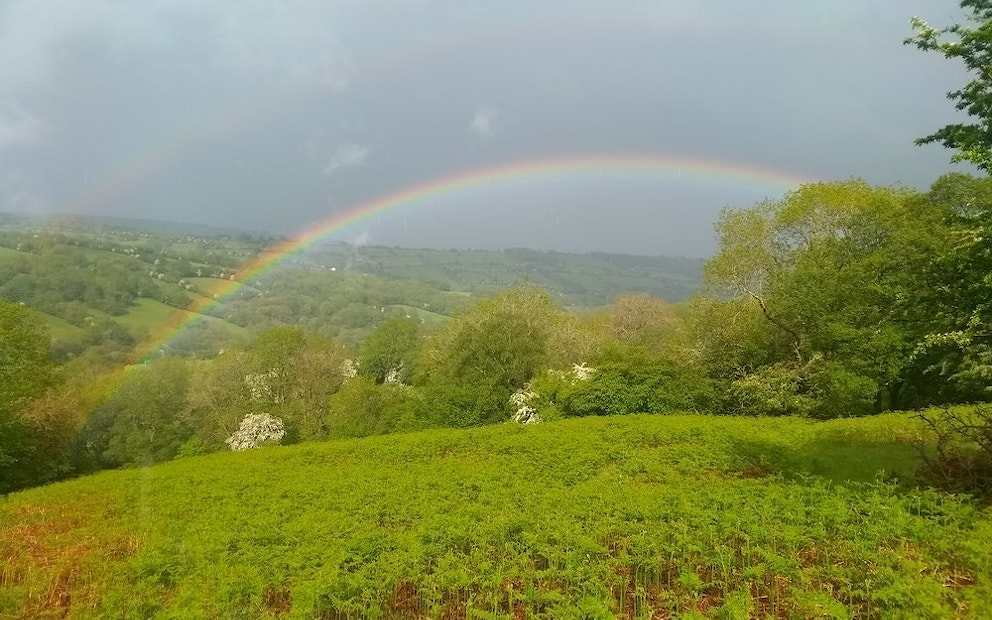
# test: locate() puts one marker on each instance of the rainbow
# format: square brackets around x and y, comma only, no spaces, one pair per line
[476,181]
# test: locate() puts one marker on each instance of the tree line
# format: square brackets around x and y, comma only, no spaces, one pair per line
[839,299]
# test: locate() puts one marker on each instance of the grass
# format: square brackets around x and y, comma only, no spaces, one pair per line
[206,285]
[147,313]
[637,516]
[60,329]
[424,315]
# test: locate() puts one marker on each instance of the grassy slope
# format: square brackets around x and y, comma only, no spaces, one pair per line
[144,315]
[60,329]
[640,516]
[425,315]
[147,313]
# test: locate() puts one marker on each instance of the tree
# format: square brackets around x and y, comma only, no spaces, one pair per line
[390,350]
[362,407]
[471,367]
[25,371]
[966,313]
[292,374]
[25,368]
[146,414]
[218,399]
[972,44]
[641,320]
[256,430]
[958,295]
[826,268]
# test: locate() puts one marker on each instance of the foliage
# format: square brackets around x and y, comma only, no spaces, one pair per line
[291,374]
[971,43]
[217,398]
[818,389]
[829,268]
[623,380]
[470,368]
[639,516]
[958,347]
[141,422]
[957,452]
[256,430]
[390,350]
[25,368]
[362,408]
[25,371]
[50,424]
[774,390]
[643,321]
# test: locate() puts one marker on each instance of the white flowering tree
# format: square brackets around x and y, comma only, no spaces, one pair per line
[542,394]
[256,429]
[524,411]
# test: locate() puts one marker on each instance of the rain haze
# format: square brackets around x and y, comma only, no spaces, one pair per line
[275,116]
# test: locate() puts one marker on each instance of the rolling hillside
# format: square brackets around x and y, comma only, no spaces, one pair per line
[637,516]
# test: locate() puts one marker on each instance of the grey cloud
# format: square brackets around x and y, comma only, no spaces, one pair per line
[346,154]
[19,127]
[270,113]
[484,121]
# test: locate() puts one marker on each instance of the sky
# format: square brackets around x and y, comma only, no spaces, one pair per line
[275,116]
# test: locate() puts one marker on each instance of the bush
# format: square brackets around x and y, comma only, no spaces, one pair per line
[256,430]
[961,457]
[624,380]
[821,389]
[362,408]
[839,392]
[773,390]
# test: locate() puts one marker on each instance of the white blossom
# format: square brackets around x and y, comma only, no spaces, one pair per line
[349,369]
[582,372]
[393,376]
[525,413]
[255,430]
[260,386]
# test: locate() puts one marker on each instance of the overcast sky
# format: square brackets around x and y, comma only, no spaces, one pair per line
[274,115]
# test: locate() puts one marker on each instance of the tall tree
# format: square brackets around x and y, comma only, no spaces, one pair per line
[25,371]
[471,367]
[972,44]
[967,265]
[390,350]
[958,295]
[826,268]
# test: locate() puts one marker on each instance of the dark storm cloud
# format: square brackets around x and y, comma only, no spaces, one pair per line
[273,115]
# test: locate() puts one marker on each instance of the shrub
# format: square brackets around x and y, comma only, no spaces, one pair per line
[361,408]
[257,429]
[772,390]
[961,457]
[625,380]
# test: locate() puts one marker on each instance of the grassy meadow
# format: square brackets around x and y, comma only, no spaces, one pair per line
[633,516]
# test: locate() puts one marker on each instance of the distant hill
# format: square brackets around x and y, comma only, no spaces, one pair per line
[70,221]
[98,279]
[589,280]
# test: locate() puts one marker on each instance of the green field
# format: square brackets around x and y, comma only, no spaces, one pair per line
[637,516]
[60,329]
[209,284]
[424,315]
[148,313]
